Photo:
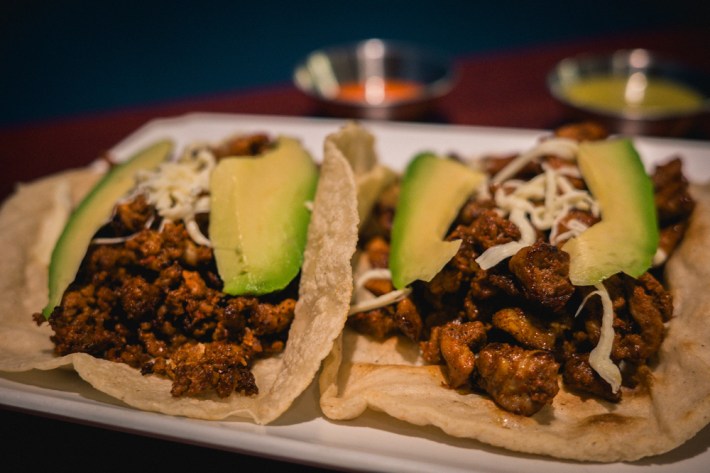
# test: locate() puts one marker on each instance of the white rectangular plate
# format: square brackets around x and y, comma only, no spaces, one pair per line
[374,441]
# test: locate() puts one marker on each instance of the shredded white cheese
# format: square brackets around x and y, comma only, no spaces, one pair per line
[660,257]
[600,356]
[562,147]
[364,303]
[179,190]
[381,301]
[112,240]
[540,203]
[494,255]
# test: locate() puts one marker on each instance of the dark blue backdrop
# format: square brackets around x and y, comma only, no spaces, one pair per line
[60,58]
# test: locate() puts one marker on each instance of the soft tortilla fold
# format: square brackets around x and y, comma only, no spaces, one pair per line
[324,297]
[362,373]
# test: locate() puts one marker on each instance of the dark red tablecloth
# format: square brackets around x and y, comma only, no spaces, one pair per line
[500,88]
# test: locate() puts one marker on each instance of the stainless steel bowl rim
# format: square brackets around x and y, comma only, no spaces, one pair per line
[430,90]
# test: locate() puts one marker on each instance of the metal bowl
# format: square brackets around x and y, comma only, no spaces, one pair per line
[375,79]
[636,70]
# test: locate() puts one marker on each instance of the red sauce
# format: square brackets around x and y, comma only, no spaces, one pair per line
[376,90]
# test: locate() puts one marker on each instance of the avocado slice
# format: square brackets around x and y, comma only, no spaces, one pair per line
[93,212]
[259,217]
[432,192]
[626,238]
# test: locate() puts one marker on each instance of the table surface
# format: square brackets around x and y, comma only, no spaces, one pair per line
[500,89]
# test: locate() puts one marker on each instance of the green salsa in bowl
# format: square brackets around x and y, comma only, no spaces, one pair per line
[632,91]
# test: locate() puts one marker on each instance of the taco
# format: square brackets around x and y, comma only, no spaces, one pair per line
[492,323]
[173,302]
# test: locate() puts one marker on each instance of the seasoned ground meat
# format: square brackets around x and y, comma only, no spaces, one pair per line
[521,381]
[132,216]
[154,302]
[218,366]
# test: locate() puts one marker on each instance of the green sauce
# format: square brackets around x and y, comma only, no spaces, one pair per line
[637,94]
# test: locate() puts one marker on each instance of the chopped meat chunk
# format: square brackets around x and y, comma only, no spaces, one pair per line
[488,230]
[672,197]
[543,271]
[407,319]
[524,328]
[402,317]
[378,287]
[520,381]
[671,236]
[446,281]
[647,304]
[382,214]
[579,375]
[473,208]
[640,308]
[377,323]
[584,131]
[378,252]
[492,165]
[455,343]
[243,145]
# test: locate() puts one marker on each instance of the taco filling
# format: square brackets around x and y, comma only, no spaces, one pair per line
[502,316]
[148,292]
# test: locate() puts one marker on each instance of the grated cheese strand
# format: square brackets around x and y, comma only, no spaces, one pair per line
[381,301]
[362,304]
[495,254]
[546,199]
[179,189]
[377,273]
[562,147]
[600,356]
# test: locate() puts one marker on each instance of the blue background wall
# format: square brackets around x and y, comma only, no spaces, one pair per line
[61,58]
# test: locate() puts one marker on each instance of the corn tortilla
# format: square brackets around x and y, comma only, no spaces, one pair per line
[362,373]
[320,314]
